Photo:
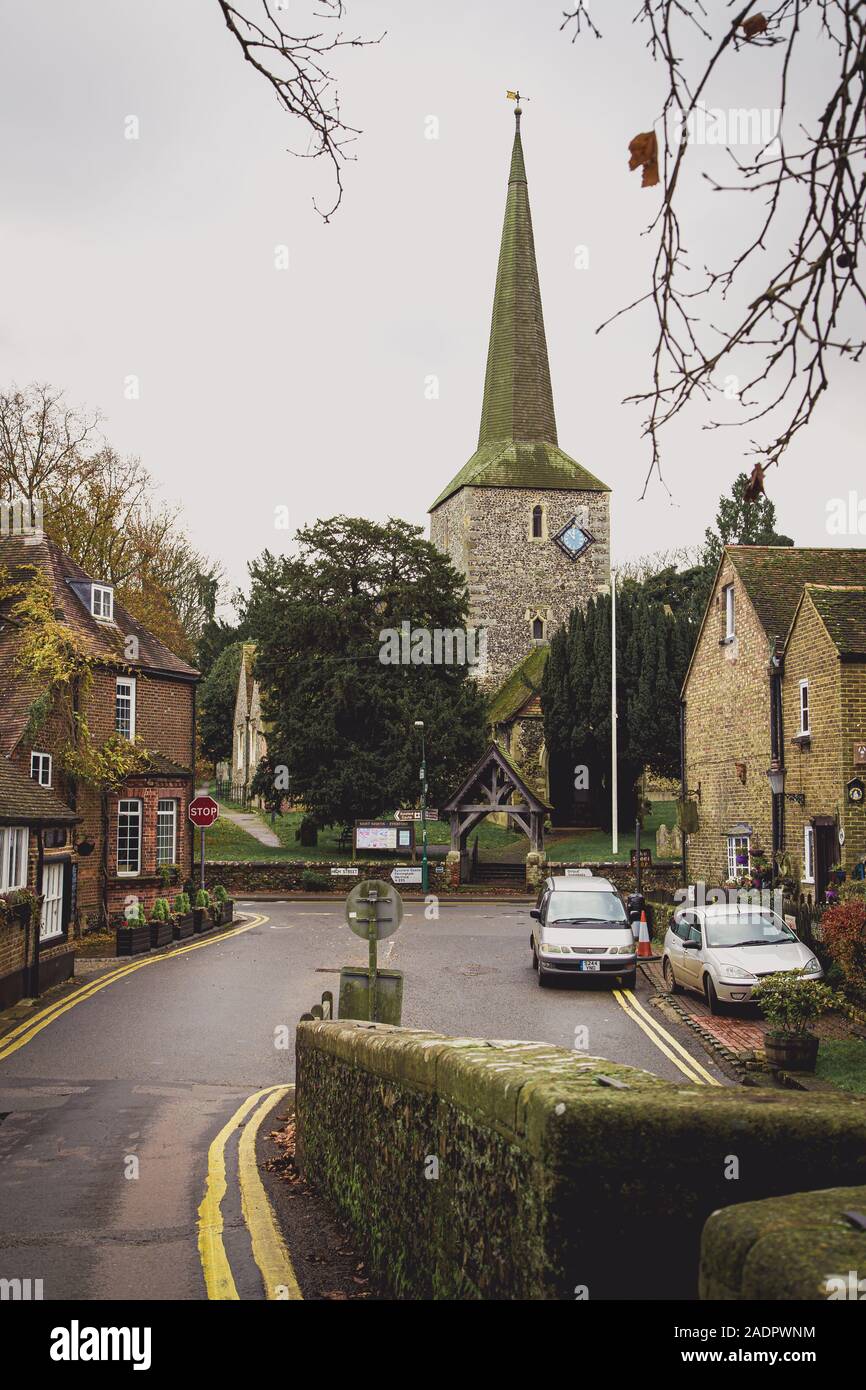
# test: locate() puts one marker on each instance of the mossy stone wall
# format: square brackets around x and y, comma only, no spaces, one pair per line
[557,1172]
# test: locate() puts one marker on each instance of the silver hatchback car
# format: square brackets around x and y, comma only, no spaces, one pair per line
[723,950]
[581,929]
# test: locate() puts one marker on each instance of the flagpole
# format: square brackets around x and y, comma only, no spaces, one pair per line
[614,838]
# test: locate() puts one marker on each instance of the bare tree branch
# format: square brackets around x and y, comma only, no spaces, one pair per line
[294,65]
[811,182]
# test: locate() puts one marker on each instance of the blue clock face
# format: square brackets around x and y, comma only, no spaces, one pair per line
[573,538]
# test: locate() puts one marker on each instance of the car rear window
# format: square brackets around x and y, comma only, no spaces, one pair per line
[602,909]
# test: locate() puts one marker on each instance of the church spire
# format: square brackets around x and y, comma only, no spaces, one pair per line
[518,401]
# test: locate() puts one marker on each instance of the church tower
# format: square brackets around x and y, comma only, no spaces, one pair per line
[527,525]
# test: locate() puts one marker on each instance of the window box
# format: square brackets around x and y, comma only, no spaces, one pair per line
[183,927]
[161,934]
[17,907]
[133,941]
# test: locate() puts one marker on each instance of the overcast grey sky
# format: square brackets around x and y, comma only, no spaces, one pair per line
[306,387]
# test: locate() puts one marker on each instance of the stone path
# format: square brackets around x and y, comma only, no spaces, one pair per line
[251,823]
[741,1033]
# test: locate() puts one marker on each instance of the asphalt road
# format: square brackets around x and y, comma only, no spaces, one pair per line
[107,1113]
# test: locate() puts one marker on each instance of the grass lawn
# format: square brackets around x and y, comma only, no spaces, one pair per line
[595,844]
[225,840]
[843,1063]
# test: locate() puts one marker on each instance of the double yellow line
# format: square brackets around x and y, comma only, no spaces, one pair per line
[664,1040]
[27,1031]
[268,1246]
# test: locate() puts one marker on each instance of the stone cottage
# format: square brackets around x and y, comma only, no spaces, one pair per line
[249,744]
[774,717]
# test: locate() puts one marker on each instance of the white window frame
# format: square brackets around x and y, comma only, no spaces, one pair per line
[730,613]
[130,681]
[805,723]
[808,854]
[128,801]
[735,843]
[14,857]
[51,918]
[166,806]
[102,603]
[41,759]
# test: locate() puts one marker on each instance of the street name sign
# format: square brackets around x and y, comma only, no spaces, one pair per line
[406,875]
[430,814]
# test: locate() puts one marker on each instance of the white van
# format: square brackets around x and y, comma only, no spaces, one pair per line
[582,929]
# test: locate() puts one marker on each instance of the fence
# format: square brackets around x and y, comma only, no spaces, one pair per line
[807,921]
[235,792]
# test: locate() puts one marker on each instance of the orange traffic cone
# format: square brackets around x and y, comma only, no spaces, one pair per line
[644,948]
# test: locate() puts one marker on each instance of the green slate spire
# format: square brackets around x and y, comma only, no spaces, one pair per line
[517,444]
[518,401]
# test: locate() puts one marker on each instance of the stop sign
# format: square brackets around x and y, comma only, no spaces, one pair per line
[203,811]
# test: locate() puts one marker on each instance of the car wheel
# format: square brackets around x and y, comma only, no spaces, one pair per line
[542,977]
[534,959]
[670,979]
[713,1000]
[629,981]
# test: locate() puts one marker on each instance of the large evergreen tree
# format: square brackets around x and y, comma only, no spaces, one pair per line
[341,722]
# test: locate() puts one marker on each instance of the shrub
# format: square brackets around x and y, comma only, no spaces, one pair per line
[202,898]
[790,1003]
[181,904]
[135,917]
[853,891]
[844,929]
[314,882]
[219,894]
[159,912]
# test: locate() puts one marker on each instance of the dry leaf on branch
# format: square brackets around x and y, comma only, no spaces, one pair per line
[755,486]
[754,25]
[644,150]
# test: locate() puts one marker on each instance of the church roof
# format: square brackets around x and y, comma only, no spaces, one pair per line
[522,685]
[517,443]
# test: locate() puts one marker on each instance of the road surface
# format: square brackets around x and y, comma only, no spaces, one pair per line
[119,1104]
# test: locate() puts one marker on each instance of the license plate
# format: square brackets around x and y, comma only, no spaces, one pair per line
[589,965]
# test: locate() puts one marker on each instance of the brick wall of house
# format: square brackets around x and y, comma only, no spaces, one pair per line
[728,722]
[853,682]
[163,713]
[814,768]
[147,885]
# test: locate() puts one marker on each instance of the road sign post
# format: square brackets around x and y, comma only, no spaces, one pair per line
[203,811]
[374,910]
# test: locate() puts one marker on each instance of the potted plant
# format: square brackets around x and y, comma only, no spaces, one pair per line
[160,924]
[790,1003]
[133,934]
[183,924]
[169,874]
[18,906]
[202,919]
[224,905]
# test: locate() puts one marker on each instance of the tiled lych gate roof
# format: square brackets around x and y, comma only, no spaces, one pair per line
[517,443]
[775,576]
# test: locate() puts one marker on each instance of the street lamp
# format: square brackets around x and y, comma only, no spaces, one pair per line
[419,724]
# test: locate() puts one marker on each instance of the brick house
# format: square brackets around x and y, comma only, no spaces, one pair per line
[777,683]
[139,690]
[36,853]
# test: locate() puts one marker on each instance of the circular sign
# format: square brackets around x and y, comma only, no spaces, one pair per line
[855,791]
[374,901]
[203,811]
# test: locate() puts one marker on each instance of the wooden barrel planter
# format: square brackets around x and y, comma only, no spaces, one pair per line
[161,933]
[133,941]
[183,927]
[791,1051]
[202,919]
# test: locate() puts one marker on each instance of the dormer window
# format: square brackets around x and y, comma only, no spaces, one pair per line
[102,602]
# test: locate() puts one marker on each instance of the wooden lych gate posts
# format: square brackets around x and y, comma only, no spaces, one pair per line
[494,784]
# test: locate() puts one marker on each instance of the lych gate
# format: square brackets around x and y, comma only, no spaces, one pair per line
[495,785]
